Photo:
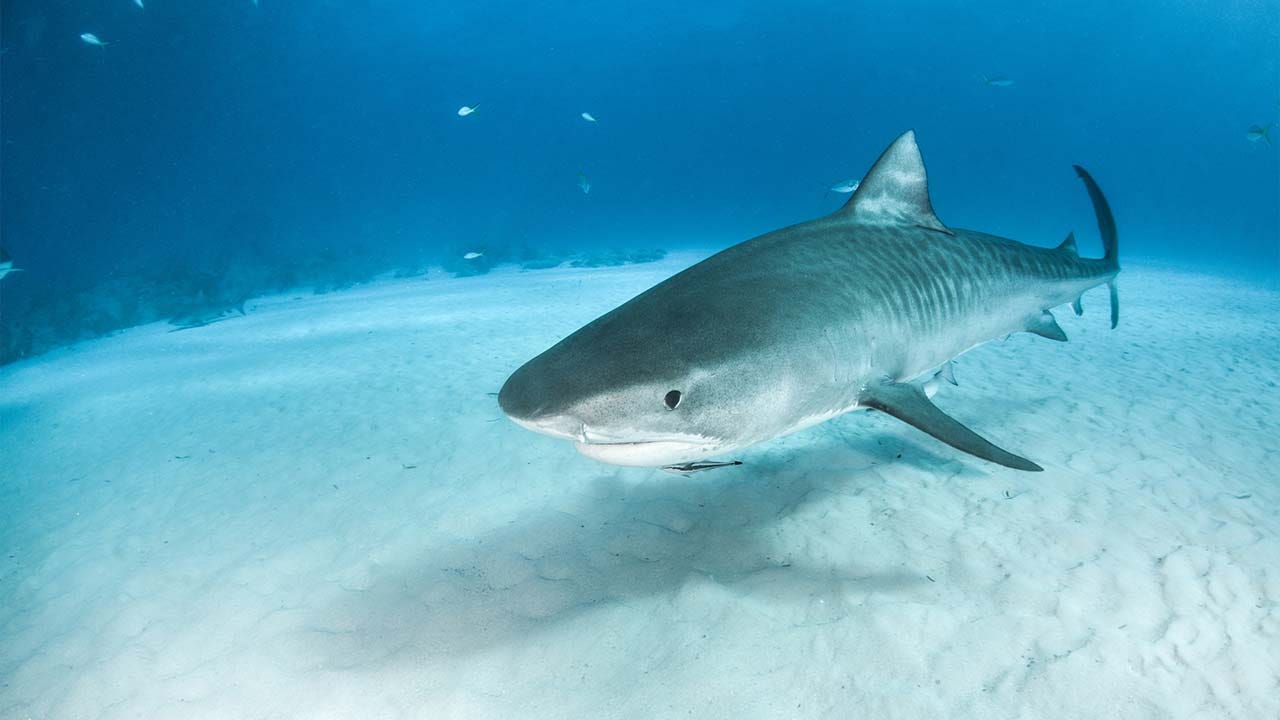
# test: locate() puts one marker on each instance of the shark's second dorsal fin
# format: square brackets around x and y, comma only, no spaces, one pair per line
[1069,245]
[895,190]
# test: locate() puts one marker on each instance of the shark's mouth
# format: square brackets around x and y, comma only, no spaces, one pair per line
[616,449]
[649,453]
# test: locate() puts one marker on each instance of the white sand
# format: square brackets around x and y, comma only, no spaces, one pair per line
[316,511]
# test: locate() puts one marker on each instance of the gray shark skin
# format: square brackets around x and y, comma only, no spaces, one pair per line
[801,325]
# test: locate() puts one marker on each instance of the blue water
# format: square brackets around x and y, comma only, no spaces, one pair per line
[213,150]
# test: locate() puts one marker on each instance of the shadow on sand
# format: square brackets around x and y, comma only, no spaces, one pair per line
[732,533]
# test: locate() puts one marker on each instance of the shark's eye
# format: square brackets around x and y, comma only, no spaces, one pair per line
[672,399]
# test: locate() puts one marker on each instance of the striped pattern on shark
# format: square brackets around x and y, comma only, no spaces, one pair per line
[803,324]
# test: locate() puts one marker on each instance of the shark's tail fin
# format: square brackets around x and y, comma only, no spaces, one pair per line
[1110,244]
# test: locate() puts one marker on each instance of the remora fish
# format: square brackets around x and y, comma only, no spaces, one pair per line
[802,324]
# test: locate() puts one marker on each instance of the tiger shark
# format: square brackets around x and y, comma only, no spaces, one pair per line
[850,311]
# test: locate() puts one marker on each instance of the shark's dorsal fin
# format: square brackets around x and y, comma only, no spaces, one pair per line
[895,190]
[909,404]
[1069,245]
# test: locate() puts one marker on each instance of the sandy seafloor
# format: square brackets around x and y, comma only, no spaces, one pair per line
[318,511]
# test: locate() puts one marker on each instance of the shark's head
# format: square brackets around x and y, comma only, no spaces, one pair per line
[629,392]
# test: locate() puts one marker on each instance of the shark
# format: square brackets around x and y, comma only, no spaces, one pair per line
[862,309]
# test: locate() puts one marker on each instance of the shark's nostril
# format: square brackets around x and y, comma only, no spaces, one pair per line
[513,399]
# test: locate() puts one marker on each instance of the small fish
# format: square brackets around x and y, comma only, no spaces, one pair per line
[1259,132]
[472,255]
[465,110]
[6,264]
[997,80]
[844,187]
[139,4]
[92,39]
[584,183]
[589,117]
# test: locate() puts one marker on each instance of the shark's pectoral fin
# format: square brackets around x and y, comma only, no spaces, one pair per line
[1046,326]
[909,404]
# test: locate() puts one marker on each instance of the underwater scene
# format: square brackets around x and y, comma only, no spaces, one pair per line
[384,359]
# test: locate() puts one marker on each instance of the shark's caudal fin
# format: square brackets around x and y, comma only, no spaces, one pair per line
[911,405]
[1110,244]
[895,190]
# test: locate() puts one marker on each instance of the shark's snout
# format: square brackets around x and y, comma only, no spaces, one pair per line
[526,400]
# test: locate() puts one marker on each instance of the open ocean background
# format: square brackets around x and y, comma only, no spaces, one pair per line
[216,150]
[310,503]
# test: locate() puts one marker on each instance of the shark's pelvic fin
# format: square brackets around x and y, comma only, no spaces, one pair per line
[895,190]
[932,385]
[948,373]
[1069,245]
[909,404]
[1077,306]
[1046,326]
